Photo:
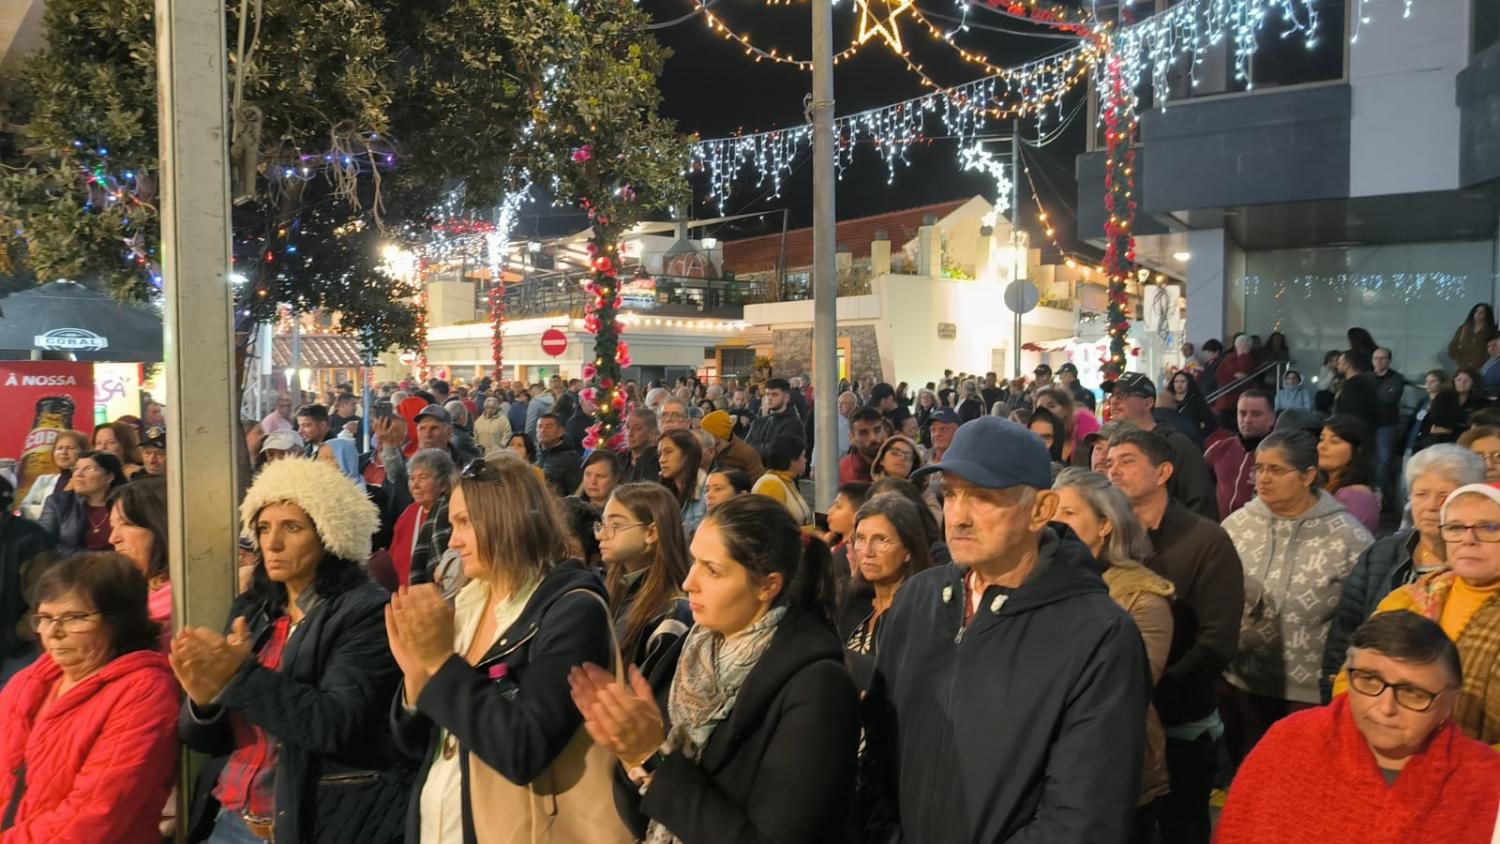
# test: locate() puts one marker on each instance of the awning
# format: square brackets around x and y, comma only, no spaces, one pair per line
[320,351]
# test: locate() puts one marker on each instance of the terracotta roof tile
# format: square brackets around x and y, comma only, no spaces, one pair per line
[759,254]
[319,351]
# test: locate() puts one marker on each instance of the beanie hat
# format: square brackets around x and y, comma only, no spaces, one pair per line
[343,515]
[719,423]
[1490,491]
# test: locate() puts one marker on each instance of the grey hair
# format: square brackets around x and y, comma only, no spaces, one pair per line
[398,397]
[1453,462]
[438,462]
[457,410]
[1128,545]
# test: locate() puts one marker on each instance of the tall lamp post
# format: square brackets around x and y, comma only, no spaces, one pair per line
[825,281]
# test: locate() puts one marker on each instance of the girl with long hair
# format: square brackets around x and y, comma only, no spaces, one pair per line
[645,560]
[680,455]
[1344,458]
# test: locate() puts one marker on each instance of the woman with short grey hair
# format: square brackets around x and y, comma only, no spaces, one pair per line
[1101,517]
[1431,475]
[420,535]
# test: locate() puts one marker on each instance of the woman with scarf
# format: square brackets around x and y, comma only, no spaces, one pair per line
[753,737]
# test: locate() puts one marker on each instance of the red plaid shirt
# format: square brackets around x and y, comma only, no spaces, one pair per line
[248,782]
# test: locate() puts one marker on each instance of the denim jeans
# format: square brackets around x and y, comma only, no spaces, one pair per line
[229,829]
[1387,466]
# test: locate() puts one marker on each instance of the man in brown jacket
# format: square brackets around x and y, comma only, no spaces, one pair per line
[731,451]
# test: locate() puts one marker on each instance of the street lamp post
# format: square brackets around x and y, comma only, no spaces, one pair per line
[825,283]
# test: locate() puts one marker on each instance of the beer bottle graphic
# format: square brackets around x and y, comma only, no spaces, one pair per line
[53,414]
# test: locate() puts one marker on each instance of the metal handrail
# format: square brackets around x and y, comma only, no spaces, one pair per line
[1279,365]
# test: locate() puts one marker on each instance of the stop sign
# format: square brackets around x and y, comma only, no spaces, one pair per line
[554,342]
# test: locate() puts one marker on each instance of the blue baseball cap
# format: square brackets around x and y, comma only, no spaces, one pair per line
[945,414]
[995,453]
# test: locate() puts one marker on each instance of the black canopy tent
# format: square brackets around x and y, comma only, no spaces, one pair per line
[66,319]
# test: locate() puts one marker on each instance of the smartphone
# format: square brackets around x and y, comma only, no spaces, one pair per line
[820,520]
[383,409]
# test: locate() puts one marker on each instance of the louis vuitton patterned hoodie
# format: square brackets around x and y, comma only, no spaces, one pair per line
[1294,572]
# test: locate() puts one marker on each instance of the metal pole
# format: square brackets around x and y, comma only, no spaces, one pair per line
[825,287]
[198,338]
[1015,230]
[294,382]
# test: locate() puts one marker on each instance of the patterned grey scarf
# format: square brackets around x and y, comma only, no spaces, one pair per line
[710,673]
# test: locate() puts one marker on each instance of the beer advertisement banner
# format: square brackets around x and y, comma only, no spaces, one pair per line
[41,398]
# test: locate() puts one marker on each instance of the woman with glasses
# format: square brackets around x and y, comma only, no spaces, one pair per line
[483,706]
[897,457]
[750,731]
[888,545]
[88,732]
[1431,476]
[680,455]
[1344,458]
[1101,518]
[645,560]
[1464,600]
[1296,544]
[1484,440]
[80,519]
[1384,763]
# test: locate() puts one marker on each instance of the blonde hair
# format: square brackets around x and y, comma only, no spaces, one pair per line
[519,530]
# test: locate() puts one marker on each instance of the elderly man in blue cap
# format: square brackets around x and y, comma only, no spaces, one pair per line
[1010,691]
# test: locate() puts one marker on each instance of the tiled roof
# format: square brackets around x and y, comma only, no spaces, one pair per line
[319,351]
[759,254]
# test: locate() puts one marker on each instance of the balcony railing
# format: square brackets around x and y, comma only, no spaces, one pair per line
[557,294]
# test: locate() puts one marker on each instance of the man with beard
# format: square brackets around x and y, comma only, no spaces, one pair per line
[1232,459]
[778,418]
[866,433]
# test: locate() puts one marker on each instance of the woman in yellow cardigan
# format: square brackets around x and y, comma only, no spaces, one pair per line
[785,462]
[1465,601]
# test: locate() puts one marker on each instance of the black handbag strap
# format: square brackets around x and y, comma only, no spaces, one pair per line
[15,798]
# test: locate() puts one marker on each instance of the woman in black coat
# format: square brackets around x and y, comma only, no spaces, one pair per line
[304,672]
[754,736]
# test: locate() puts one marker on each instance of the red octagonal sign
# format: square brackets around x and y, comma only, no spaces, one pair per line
[554,342]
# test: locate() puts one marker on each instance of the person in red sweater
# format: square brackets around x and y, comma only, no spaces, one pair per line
[1233,458]
[88,732]
[866,435]
[1234,366]
[1383,764]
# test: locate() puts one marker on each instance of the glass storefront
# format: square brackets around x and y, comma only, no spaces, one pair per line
[1411,297]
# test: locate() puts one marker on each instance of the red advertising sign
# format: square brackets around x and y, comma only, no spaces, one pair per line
[42,398]
[554,342]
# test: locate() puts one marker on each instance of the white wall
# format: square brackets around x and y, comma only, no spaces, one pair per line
[1403,127]
[1205,288]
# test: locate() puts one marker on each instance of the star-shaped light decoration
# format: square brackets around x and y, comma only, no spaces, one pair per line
[871,25]
[976,157]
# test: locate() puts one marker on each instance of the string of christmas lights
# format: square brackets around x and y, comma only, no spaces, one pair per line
[894,129]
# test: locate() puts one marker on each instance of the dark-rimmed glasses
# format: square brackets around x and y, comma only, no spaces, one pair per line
[1407,696]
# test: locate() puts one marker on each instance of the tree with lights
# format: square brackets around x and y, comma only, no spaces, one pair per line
[353,121]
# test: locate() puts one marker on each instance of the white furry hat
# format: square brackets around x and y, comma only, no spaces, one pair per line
[343,516]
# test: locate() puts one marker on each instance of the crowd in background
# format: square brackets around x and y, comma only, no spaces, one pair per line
[1036,610]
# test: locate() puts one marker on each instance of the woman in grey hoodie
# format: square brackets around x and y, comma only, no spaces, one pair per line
[1297,545]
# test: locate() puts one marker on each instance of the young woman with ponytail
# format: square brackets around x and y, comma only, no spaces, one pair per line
[749,729]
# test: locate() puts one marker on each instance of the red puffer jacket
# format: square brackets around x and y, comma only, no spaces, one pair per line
[99,762]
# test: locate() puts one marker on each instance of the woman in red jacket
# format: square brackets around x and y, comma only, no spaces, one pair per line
[88,732]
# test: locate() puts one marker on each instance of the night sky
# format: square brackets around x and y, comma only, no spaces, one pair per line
[711,87]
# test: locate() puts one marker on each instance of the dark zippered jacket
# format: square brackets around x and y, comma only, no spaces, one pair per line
[1028,725]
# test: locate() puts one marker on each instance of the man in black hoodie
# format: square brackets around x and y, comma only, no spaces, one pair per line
[1010,691]
[778,418]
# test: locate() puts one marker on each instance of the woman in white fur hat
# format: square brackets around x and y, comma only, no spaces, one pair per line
[292,699]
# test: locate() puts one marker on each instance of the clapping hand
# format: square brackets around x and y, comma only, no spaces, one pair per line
[419,624]
[625,720]
[205,662]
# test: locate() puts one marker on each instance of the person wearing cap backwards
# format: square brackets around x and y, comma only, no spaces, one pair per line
[730,452]
[280,444]
[153,453]
[1464,599]
[1132,400]
[1010,692]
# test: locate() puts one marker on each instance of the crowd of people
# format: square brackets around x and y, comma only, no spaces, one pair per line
[1035,611]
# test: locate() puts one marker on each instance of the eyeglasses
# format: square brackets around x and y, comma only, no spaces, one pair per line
[1270,470]
[1489,456]
[73,622]
[607,530]
[1407,696]
[1487,532]
[877,544]
[87,469]
[902,453]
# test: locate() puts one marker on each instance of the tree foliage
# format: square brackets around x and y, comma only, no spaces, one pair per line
[360,118]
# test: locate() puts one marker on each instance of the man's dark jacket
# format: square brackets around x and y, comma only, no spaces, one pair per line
[562,465]
[1027,725]
[21,541]
[1380,570]
[766,430]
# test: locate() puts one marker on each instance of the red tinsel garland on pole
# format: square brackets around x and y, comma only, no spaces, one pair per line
[422,321]
[497,321]
[1119,204]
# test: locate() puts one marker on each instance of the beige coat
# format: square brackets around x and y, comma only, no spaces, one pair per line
[491,432]
[1148,599]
